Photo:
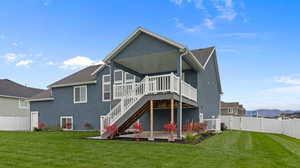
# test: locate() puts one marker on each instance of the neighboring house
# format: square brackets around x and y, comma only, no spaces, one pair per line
[14,111]
[138,82]
[232,108]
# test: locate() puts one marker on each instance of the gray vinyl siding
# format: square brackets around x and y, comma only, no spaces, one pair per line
[9,107]
[63,105]
[208,92]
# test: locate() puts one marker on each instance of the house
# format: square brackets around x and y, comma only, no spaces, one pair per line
[138,82]
[14,111]
[232,108]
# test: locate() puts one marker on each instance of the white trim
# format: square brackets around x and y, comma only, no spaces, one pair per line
[131,80]
[73,84]
[66,117]
[80,87]
[41,99]
[102,88]
[209,57]
[33,112]
[15,97]
[131,37]
[195,59]
[119,81]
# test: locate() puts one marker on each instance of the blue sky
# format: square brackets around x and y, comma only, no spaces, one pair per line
[257,42]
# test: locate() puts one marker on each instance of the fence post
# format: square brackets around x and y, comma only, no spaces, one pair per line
[261,124]
[241,123]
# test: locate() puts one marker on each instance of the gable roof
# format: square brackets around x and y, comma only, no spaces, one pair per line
[81,77]
[10,88]
[203,55]
[42,96]
[133,36]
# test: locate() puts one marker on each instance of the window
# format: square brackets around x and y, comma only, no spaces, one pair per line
[80,94]
[118,77]
[106,88]
[66,122]
[201,117]
[129,78]
[23,104]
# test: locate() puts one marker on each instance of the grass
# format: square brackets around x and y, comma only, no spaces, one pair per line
[66,149]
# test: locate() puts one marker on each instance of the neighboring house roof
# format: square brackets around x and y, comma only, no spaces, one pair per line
[42,96]
[10,88]
[81,77]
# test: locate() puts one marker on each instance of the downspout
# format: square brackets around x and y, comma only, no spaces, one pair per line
[180,92]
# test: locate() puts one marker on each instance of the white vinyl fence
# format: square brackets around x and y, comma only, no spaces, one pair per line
[286,127]
[14,123]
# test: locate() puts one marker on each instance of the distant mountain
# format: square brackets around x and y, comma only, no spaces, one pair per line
[269,112]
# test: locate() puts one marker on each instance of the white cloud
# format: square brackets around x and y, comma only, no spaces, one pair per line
[79,62]
[198,3]
[209,23]
[291,79]
[181,26]
[24,63]
[177,2]
[225,9]
[283,90]
[50,63]
[12,57]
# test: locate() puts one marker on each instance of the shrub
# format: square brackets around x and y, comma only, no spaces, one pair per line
[42,125]
[171,128]
[113,129]
[196,127]
[138,129]
[36,129]
[190,138]
[223,127]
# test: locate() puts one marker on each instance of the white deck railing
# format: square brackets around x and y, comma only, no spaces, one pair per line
[129,94]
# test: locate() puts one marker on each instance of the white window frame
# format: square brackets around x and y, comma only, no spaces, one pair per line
[66,117]
[21,106]
[119,81]
[130,80]
[104,83]
[80,101]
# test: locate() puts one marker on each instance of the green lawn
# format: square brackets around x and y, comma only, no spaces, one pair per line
[67,150]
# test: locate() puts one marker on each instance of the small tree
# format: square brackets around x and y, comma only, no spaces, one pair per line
[171,128]
[138,130]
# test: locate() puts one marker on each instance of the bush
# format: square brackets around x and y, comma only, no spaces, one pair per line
[223,127]
[36,129]
[190,138]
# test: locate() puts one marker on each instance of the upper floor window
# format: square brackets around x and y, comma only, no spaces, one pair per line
[129,78]
[80,94]
[106,88]
[118,77]
[23,104]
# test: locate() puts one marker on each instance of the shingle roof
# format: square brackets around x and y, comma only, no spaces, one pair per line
[10,88]
[83,75]
[42,95]
[202,54]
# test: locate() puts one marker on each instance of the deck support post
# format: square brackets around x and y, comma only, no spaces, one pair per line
[172,111]
[151,138]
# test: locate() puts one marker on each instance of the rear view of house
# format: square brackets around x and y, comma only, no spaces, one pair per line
[14,105]
[147,78]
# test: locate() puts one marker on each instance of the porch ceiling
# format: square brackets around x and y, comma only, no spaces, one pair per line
[153,63]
